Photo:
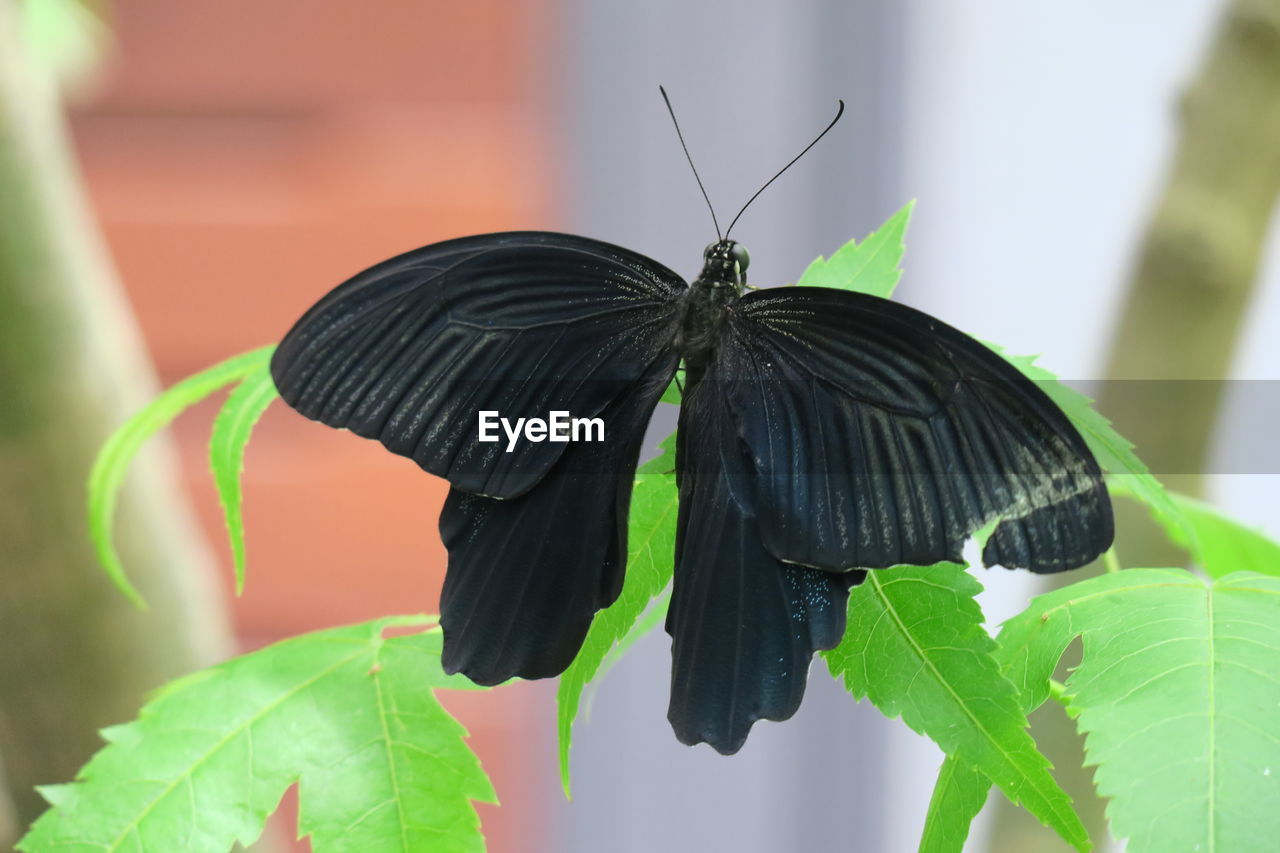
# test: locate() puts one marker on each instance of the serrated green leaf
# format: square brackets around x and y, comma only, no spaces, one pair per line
[1029,665]
[654,615]
[955,802]
[1114,452]
[1177,697]
[1224,544]
[650,556]
[347,713]
[1027,660]
[958,796]
[231,431]
[112,462]
[867,267]
[916,647]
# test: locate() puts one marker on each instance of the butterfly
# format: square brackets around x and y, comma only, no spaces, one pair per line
[822,433]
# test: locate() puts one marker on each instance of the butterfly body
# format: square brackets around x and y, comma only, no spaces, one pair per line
[822,434]
[703,306]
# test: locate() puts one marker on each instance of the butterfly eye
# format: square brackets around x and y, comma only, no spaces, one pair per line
[741,257]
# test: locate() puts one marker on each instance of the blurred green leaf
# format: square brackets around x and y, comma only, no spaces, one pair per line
[231,431]
[68,36]
[347,713]
[112,462]
[1222,544]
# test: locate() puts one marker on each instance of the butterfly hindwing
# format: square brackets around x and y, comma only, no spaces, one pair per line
[518,323]
[879,435]
[527,574]
[744,625]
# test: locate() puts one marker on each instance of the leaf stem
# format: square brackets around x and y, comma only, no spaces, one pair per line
[1110,561]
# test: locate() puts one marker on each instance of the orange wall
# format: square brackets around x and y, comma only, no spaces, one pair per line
[244,157]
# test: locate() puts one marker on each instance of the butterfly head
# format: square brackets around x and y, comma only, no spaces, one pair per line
[725,262]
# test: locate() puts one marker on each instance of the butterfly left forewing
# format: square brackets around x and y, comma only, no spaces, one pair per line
[523,325]
[519,323]
[881,436]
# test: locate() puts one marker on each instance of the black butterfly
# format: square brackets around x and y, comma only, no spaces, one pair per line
[822,433]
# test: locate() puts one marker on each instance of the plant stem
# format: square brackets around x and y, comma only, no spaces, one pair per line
[77,655]
[1197,265]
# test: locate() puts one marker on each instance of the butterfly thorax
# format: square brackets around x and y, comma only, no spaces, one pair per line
[702,311]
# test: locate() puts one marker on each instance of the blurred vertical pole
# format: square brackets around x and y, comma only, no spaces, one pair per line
[8,820]
[76,656]
[1181,320]
[1198,261]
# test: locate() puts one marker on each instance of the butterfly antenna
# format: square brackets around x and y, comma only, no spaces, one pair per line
[839,113]
[690,159]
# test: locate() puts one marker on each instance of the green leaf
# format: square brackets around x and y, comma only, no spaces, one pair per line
[1224,544]
[650,556]
[916,647]
[347,713]
[1029,665]
[112,463]
[958,796]
[1178,699]
[673,393]
[654,615]
[867,267]
[231,431]
[1028,662]
[1113,451]
[955,802]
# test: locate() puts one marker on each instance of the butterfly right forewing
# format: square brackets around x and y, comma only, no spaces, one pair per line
[828,434]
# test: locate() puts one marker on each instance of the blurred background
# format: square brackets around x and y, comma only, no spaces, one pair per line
[1084,172]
